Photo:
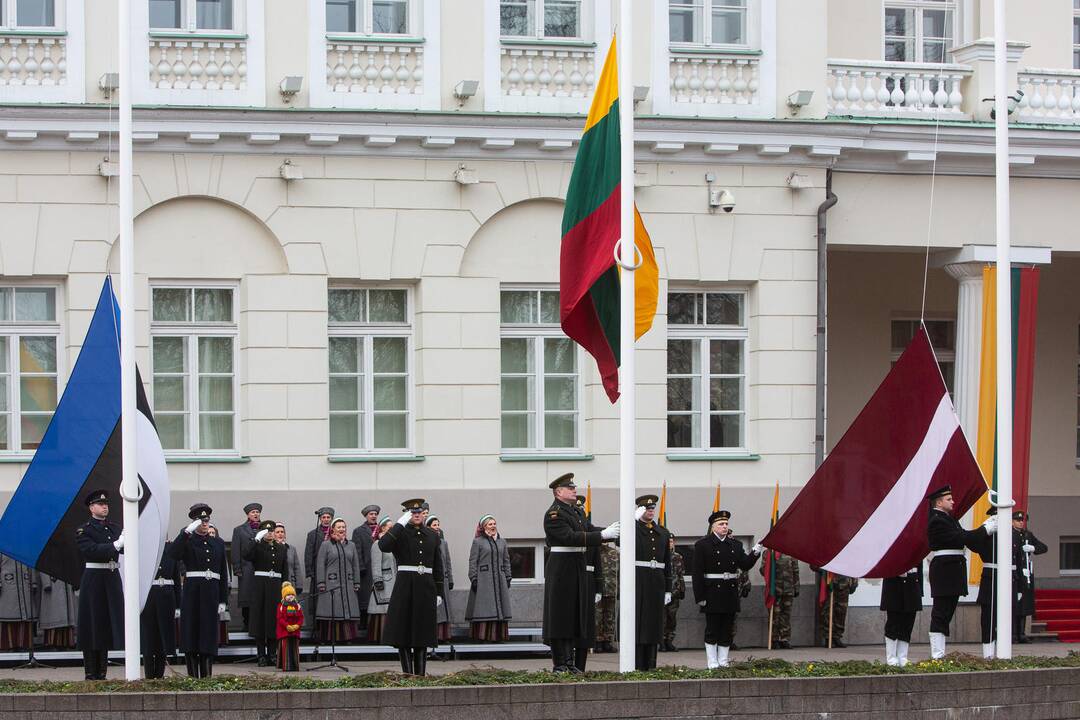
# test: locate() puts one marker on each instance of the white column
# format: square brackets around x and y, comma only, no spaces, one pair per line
[968,345]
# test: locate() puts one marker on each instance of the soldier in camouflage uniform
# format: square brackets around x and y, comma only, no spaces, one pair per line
[607,610]
[744,592]
[840,587]
[671,610]
[787,589]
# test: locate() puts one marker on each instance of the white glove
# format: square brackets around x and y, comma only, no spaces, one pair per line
[404,519]
[667,598]
[119,544]
[261,534]
[639,513]
[702,603]
[596,599]
[176,614]
[756,550]
[611,532]
[1027,548]
[192,526]
[438,601]
[221,609]
[990,524]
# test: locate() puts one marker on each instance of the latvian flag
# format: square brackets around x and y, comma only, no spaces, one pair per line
[864,512]
[79,453]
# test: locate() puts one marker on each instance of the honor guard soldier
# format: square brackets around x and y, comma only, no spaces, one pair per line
[678,592]
[652,579]
[1029,546]
[901,600]
[269,561]
[567,605]
[987,599]
[158,618]
[718,558]
[243,536]
[410,619]
[948,566]
[101,594]
[593,582]
[206,590]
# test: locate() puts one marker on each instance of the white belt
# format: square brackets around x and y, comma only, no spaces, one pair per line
[163,581]
[721,576]
[111,565]
[590,568]
[912,571]
[421,569]
[649,564]
[208,574]
[993,566]
[564,548]
[267,573]
[941,553]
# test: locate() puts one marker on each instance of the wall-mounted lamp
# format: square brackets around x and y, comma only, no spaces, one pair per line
[290,85]
[799,99]
[465,176]
[640,93]
[465,90]
[289,171]
[109,83]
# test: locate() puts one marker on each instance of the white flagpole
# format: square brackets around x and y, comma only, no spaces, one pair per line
[129,484]
[627,401]
[1004,342]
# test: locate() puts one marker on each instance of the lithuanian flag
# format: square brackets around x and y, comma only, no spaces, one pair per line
[588,276]
[772,556]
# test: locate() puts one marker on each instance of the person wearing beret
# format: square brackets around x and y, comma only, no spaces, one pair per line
[243,536]
[206,590]
[653,581]
[363,536]
[567,605]
[101,593]
[948,566]
[718,558]
[157,621]
[418,588]
[1029,546]
[315,538]
[270,567]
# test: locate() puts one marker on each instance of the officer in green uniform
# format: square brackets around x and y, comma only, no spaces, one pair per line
[787,589]
[678,592]
[607,610]
[840,588]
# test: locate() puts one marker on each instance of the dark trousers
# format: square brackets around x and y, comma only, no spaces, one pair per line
[942,613]
[988,622]
[199,665]
[154,666]
[562,653]
[95,663]
[898,625]
[645,656]
[718,628]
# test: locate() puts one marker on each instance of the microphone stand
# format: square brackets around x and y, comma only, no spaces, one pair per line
[333,619]
[32,662]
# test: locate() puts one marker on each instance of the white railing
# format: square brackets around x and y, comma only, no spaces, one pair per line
[1050,96]
[714,79]
[371,67]
[547,71]
[894,89]
[33,61]
[198,64]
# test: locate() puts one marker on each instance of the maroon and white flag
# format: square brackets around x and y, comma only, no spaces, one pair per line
[864,512]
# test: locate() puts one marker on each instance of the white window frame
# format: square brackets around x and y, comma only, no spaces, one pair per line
[538,561]
[941,354]
[367,331]
[918,6]
[586,26]
[752,29]
[1076,46]
[704,334]
[366,16]
[9,17]
[69,14]
[537,333]
[1067,540]
[188,16]
[191,332]
[14,330]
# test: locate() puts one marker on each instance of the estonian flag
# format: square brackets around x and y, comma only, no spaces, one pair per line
[81,453]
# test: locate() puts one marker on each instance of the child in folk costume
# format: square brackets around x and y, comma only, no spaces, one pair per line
[290,618]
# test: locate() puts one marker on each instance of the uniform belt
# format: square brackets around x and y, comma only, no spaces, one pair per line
[208,574]
[420,569]
[721,576]
[111,565]
[649,564]
[163,581]
[267,573]
[912,571]
[565,548]
[941,553]
[590,568]
[993,566]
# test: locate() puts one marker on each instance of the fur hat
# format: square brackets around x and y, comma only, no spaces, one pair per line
[287,589]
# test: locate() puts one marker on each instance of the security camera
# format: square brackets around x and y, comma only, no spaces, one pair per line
[723,199]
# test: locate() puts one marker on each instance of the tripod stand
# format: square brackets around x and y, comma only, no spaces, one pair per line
[333,639]
[32,662]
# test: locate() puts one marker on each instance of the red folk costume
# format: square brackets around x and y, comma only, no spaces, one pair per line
[290,618]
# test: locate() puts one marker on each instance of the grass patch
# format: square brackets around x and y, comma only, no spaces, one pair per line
[752,668]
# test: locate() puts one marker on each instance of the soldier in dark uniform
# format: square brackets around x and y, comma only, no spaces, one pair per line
[206,590]
[158,619]
[653,581]
[1030,545]
[678,592]
[315,538]
[901,600]
[244,535]
[270,562]
[101,594]
[988,599]
[363,536]
[718,558]
[410,619]
[593,582]
[566,587]
[948,566]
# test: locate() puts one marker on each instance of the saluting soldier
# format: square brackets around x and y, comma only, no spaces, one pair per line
[948,566]
[678,592]
[593,580]
[242,537]
[206,590]
[1030,546]
[567,604]
[410,619]
[158,618]
[718,558]
[787,589]
[901,599]
[987,599]
[269,561]
[607,608]
[652,579]
[101,594]
[315,538]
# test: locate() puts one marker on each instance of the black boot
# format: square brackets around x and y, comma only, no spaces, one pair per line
[192,662]
[581,657]
[640,657]
[102,664]
[406,660]
[206,666]
[420,661]
[650,657]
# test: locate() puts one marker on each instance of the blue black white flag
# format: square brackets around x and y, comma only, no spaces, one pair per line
[79,453]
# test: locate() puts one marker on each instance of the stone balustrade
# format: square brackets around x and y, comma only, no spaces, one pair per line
[547,71]
[372,67]
[1050,96]
[28,60]
[894,89]
[713,78]
[198,64]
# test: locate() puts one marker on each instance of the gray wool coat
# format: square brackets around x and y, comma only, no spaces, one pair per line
[18,591]
[337,573]
[59,604]
[489,575]
[296,572]
[443,613]
[384,569]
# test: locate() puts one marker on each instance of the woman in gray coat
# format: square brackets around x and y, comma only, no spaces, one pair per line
[59,613]
[443,613]
[489,576]
[383,572]
[18,604]
[337,578]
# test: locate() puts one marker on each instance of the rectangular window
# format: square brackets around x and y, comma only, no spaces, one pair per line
[541,19]
[29,376]
[369,17]
[193,348]
[540,383]
[526,560]
[28,14]
[370,370]
[1069,555]
[193,15]
[706,371]
[942,335]
[919,30]
[1076,34]
[708,22]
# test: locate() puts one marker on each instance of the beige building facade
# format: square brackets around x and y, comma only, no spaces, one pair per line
[348,223]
